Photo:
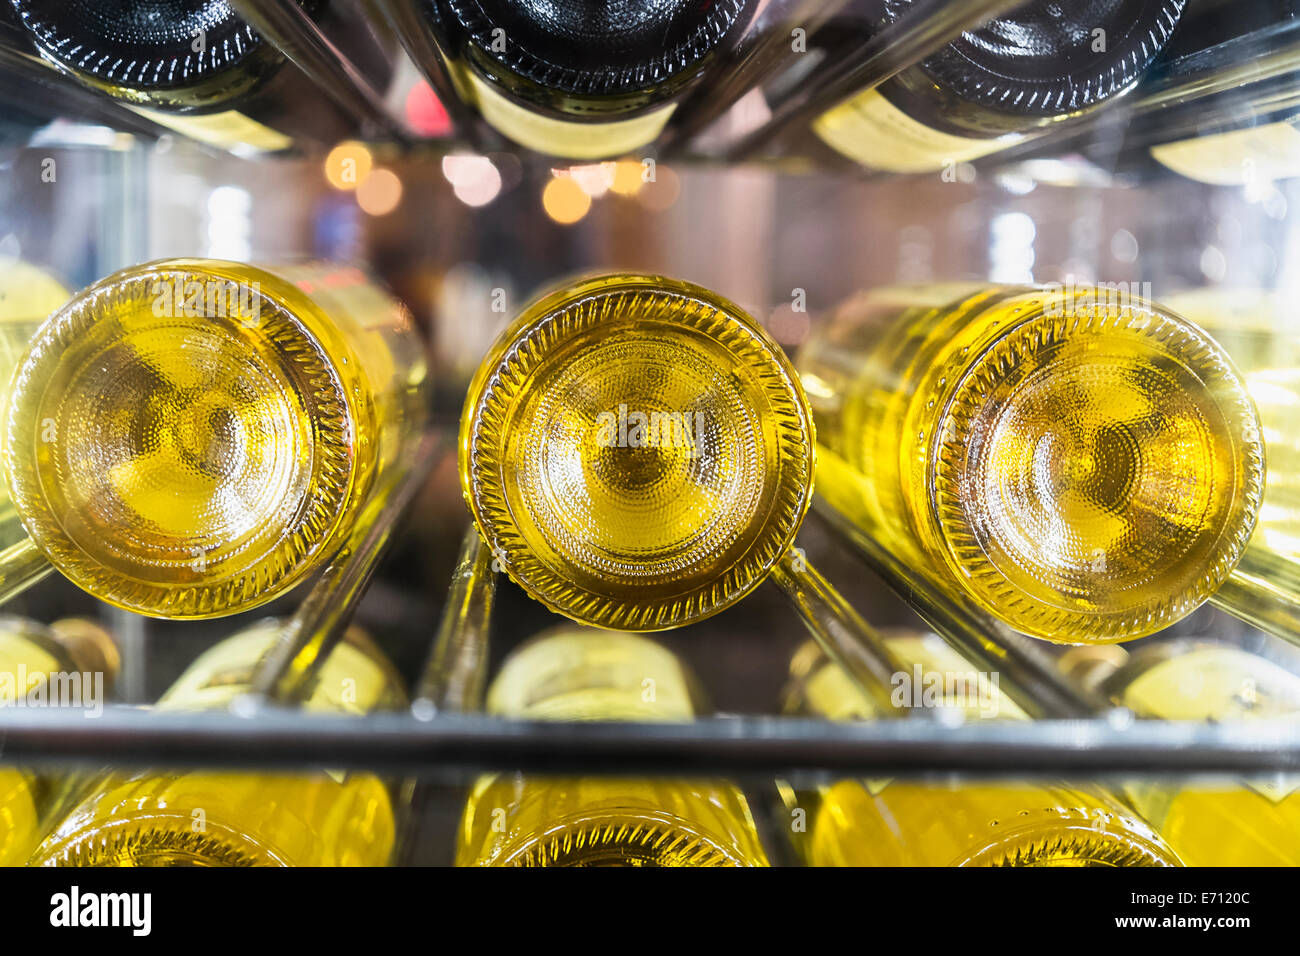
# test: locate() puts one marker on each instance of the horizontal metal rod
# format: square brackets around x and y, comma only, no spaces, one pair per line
[402,744]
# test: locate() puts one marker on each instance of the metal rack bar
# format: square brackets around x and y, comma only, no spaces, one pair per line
[839,630]
[402,744]
[288,672]
[299,38]
[932,25]
[760,54]
[1028,676]
[456,673]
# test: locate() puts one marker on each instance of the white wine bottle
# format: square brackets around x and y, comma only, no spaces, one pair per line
[194,66]
[1257,329]
[893,822]
[38,664]
[1084,466]
[1031,68]
[204,818]
[190,438]
[637,452]
[1251,822]
[525,820]
[584,80]
[27,296]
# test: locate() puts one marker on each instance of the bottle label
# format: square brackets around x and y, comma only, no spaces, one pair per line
[1238,158]
[230,130]
[870,130]
[560,137]
[573,675]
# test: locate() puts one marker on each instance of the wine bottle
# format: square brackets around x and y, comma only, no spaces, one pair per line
[37,663]
[195,67]
[522,820]
[190,438]
[637,452]
[582,80]
[27,296]
[1075,461]
[208,818]
[894,822]
[1252,822]
[1248,132]
[1034,67]
[1255,328]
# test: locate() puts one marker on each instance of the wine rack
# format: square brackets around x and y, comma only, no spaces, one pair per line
[415,571]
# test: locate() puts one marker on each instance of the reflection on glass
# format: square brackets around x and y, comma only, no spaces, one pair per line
[208,818]
[890,822]
[525,820]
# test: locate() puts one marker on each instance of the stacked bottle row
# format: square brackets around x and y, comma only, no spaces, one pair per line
[204,818]
[599,81]
[192,438]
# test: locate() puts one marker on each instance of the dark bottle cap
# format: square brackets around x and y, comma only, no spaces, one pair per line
[597,47]
[141,44]
[1046,58]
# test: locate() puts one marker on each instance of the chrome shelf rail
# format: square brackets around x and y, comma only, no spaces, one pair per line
[756,746]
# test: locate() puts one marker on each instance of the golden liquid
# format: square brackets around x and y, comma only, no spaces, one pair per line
[241,819]
[1258,331]
[190,438]
[1086,469]
[28,651]
[27,296]
[1255,823]
[906,823]
[637,452]
[522,820]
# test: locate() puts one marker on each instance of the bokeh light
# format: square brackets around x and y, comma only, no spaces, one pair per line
[564,200]
[380,193]
[348,165]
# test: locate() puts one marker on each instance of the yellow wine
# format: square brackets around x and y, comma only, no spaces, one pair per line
[1255,822]
[907,823]
[206,818]
[521,820]
[39,663]
[190,438]
[1256,328]
[27,296]
[637,452]
[1082,464]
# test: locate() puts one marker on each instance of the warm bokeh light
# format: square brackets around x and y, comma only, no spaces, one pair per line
[628,175]
[662,192]
[348,165]
[380,193]
[475,180]
[564,200]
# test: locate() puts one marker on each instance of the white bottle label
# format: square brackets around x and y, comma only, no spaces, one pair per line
[1259,154]
[870,130]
